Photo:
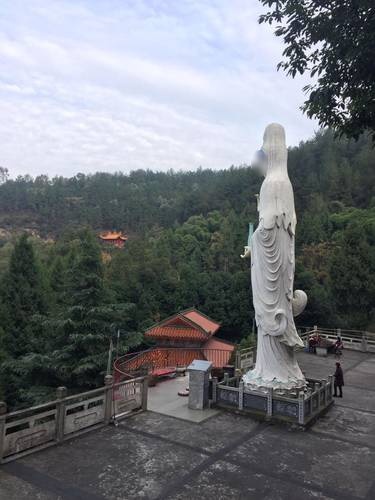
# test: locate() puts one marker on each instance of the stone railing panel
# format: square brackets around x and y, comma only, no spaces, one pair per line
[285,408]
[298,407]
[356,340]
[20,434]
[245,358]
[83,414]
[255,402]
[28,430]
[227,395]
[127,397]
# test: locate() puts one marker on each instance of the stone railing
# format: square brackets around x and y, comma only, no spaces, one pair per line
[299,406]
[357,340]
[245,358]
[31,429]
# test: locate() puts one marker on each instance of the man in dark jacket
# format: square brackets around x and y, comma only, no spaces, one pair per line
[339,380]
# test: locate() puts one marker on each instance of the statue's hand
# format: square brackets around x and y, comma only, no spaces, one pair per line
[246,253]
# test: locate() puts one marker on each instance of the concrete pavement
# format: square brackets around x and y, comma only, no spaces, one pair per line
[227,456]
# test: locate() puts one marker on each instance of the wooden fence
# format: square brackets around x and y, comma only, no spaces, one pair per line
[25,431]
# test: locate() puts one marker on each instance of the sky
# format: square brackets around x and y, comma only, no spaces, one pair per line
[118,85]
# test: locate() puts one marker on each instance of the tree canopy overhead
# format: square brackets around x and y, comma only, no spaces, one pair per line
[334,41]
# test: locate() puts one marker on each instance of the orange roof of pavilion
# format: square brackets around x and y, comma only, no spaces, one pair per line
[113,236]
[186,325]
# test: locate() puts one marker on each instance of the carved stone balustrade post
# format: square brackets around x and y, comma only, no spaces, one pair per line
[61,393]
[214,389]
[108,411]
[364,342]
[317,391]
[240,395]
[3,412]
[144,393]
[238,360]
[269,402]
[301,408]
[324,385]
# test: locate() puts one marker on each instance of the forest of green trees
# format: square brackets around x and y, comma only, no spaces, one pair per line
[61,302]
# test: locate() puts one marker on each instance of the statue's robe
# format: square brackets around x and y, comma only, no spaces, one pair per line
[272,271]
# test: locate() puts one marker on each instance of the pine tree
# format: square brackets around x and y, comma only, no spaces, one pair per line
[86,325]
[23,296]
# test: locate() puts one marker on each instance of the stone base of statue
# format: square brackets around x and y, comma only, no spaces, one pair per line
[276,365]
[253,381]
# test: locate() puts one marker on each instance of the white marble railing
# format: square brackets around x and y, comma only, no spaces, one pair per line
[29,430]
[299,406]
[245,358]
[352,339]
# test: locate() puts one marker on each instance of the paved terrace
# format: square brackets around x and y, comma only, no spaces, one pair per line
[154,456]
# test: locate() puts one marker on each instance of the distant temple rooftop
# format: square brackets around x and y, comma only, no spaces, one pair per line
[113,238]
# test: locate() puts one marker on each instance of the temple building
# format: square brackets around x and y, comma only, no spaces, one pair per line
[114,239]
[188,328]
[195,333]
[186,336]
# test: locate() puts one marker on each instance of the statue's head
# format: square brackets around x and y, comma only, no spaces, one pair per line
[273,155]
[259,162]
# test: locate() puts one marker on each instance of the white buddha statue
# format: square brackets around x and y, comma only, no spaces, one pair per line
[272,271]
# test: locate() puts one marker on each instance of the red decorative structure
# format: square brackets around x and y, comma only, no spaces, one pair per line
[116,239]
[180,339]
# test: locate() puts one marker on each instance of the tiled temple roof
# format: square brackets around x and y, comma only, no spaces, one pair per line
[186,325]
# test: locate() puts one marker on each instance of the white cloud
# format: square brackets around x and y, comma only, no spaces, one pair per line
[119,85]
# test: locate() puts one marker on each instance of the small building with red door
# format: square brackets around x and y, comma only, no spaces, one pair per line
[113,239]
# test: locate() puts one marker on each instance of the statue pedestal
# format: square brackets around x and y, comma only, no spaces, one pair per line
[292,385]
[300,406]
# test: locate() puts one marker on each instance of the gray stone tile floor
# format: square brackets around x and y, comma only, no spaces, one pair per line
[226,456]
[163,398]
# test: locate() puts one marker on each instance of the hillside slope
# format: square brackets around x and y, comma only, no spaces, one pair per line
[188,230]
